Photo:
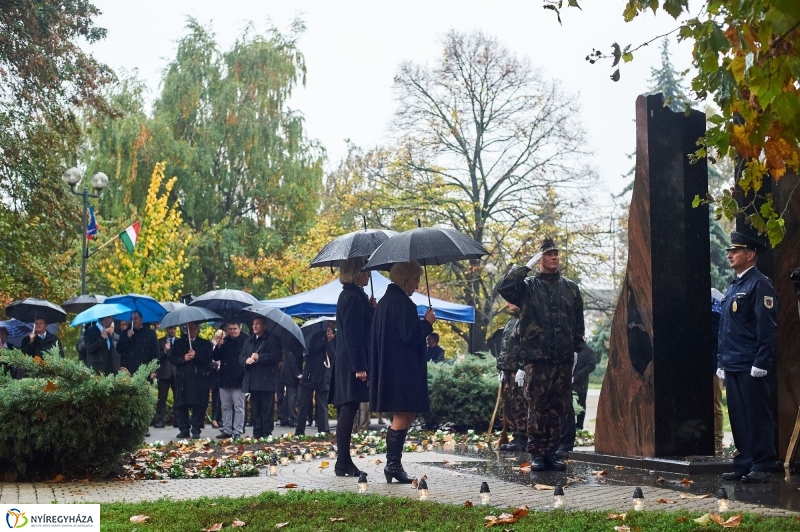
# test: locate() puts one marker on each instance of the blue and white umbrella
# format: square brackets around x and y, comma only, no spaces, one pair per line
[17,330]
[98,312]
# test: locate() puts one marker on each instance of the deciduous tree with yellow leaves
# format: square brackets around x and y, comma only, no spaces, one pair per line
[156,266]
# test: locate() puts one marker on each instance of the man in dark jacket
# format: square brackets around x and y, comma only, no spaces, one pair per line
[260,357]
[747,330]
[5,347]
[316,368]
[231,375]
[97,341]
[580,378]
[191,357]
[551,330]
[435,352]
[40,341]
[166,375]
[138,345]
[289,379]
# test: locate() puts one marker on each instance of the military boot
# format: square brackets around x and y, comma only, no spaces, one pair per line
[519,443]
[538,463]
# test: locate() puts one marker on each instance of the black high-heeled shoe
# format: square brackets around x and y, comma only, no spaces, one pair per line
[348,470]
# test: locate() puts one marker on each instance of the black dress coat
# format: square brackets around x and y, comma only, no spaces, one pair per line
[399,378]
[140,348]
[354,321]
[165,369]
[291,368]
[39,346]
[98,350]
[231,373]
[314,368]
[191,377]
[262,375]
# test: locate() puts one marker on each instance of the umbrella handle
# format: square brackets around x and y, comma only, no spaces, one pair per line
[371,286]
[427,288]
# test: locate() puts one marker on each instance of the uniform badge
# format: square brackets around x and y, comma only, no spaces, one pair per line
[735,306]
[768,302]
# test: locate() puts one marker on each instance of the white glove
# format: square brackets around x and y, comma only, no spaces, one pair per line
[519,377]
[757,372]
[536,258]
[721,374]
[500,377]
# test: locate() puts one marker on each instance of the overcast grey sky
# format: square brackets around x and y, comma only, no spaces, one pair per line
[353,48]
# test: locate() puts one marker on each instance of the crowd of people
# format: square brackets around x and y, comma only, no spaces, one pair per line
[373,358]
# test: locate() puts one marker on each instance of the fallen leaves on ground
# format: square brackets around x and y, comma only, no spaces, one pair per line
[288,486]
[506,518]
[732,522]
[281,525]
[445,461]
[619,467]
[324,464]
[525,467]
[600,473]
[665,501]
[543,487]
[213,528]
[237,524]
[139,519]
[703,520]
[661,479]
[621,517]
[378,461]
[691,496]
[683,518]
[336,519]
[415,482]
[57,480]
[570,479]
[468,504]
[686,481]
[622,528]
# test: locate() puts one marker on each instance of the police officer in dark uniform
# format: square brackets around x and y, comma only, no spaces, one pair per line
[747,333]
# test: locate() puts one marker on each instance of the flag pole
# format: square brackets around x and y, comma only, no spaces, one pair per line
[102,246]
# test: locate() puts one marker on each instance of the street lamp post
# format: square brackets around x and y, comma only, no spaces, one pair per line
[99,181]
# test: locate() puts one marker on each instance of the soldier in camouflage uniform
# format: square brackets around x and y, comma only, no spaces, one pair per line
[551,331]
[515,406]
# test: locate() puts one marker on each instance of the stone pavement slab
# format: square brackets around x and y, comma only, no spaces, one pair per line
[453,482]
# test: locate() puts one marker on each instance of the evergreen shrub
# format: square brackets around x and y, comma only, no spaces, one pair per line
[463,395]
[64,419]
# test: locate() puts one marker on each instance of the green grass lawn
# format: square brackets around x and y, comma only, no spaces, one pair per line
[312,511]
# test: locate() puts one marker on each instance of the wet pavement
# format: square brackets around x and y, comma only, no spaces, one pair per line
[777,493]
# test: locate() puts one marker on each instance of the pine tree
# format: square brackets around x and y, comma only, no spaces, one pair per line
[669,81]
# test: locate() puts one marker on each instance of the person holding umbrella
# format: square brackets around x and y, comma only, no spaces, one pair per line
[98,343]
[260,357]
[399,378]
[191,357]
[354,319]
[40,340]
[138,345]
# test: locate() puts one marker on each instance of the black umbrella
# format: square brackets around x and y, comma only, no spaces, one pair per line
[83,302]
[186,314]
[171,305]
[317,324]
[278,323]
[428,246]
[227,303]
[31,309]
[351,246]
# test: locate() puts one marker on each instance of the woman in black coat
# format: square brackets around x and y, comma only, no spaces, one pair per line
[354,320]
[399,371]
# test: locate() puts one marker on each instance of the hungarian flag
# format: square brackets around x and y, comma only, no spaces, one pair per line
[129,237]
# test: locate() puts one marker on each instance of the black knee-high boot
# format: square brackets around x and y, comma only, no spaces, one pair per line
[344,464]
[394,454]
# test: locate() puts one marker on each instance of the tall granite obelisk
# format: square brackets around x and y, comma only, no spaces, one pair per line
[657,396]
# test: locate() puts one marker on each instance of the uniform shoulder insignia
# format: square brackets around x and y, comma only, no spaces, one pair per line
[768,302]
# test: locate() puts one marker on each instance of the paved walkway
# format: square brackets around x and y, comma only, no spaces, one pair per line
[454,482]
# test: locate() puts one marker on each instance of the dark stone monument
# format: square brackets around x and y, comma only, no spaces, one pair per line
[657,398]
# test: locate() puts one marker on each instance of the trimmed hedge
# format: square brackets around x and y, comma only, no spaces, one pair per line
[64,419]
[463,395]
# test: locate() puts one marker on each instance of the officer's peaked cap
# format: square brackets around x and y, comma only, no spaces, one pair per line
[742,241]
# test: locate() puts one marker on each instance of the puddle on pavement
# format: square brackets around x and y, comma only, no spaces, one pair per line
[777,493]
